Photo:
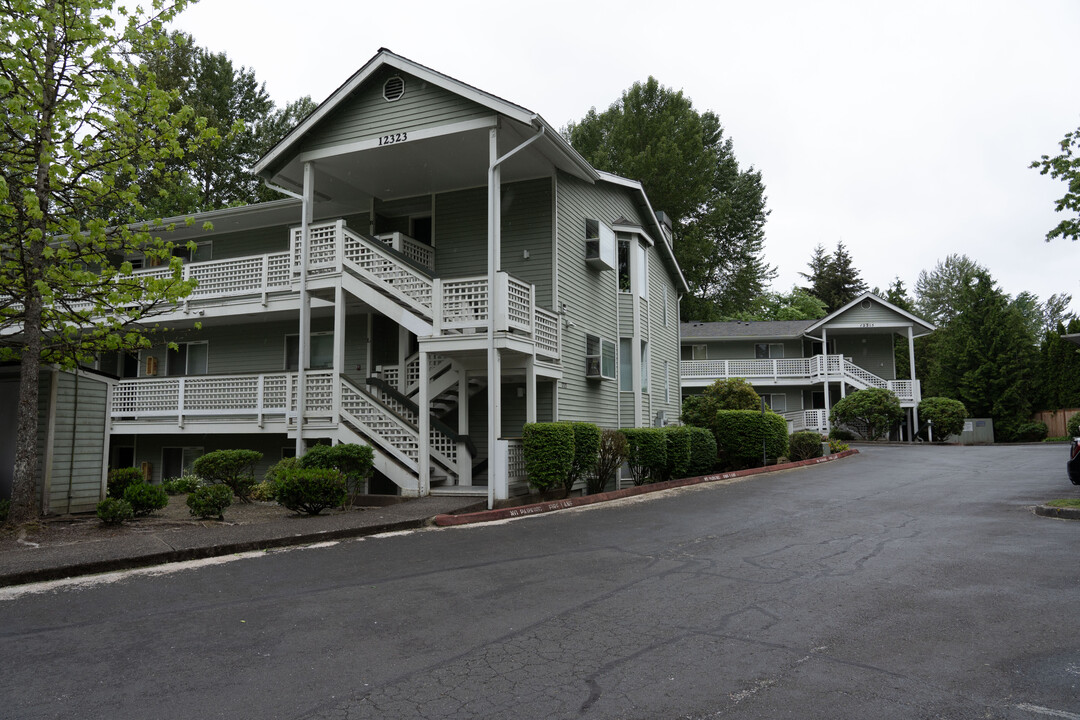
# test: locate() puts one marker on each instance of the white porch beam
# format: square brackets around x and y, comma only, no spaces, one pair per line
[304,341]
[825,352]
[423,424]
[915,394]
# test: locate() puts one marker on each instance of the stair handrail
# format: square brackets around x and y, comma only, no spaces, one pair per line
[408,404]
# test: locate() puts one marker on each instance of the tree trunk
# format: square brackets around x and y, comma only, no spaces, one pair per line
[24,493]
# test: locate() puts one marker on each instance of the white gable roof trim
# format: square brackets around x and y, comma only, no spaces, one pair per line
[930,327]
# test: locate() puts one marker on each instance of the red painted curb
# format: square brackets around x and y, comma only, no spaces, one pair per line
[552,505]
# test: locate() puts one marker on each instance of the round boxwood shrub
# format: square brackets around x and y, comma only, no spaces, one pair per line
[946,414]
[646,454]
[876,408]
[114,511]
[233,468]
[742,436]
[208,501]
[310,490]
[120,478]
[145,498]
[549,453]
[702,451]
[353,461]
[1030,432]
[678,452]
[1072,425]
[804,445]
[730,394]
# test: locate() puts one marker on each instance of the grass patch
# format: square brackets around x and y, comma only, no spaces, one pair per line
[1060,438]
[1067,503]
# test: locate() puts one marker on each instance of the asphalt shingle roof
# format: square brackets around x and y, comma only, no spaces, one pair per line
[757,329]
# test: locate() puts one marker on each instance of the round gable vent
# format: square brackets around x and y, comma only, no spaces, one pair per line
[866,304]
[393,88]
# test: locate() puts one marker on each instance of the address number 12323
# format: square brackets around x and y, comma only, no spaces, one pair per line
[393,138]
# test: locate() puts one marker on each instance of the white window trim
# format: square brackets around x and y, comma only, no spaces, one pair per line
[694,352]
[599,357]
[285,357]
[187,359]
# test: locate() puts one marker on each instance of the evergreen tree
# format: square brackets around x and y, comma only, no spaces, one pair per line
[1059,370]
[834,278]
[986,357]
[795,305]
[937,292]
[689,170]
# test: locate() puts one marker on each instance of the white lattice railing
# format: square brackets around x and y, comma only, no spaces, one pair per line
[465,303]
[231,277]
[515,460]
[415,250]
[808,420]
[519,303]
[907,390]
[393,434]
[256,396]
[323,250]
[546,333]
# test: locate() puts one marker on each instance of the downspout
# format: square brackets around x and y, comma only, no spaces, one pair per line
[494,260]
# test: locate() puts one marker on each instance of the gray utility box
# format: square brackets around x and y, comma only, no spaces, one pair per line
[977,431]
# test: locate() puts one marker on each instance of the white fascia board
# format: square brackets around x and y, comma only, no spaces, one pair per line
[916,320]
[421,134]
[635,185]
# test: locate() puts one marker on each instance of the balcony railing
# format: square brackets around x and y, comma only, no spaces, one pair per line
[812,369]
[816,420]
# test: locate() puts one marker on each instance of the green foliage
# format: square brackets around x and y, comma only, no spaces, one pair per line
[730,394]
[76,119]
[610,457]
[1065,167]
[121,478]
[689,170]
[743,435]
[804,445]
[353,461]
[1059,369]
[586,452]
[1065,503]
[833,278]
[209,501]
[145,498]
[114,511]
[1029,432]
[310,490]
[835,446]
[798,304]
[702,451]
[946,414]
[876,408]
[181,485]
[678,453]
[646,454]
[938,291]
[234,468]
[985,357]
[549,453]
[1072,425]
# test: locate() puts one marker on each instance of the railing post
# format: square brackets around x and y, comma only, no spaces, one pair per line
[499,322]
[265,278]
[259,393]
[532,314]
[339,245]
[436,306]
[180,403]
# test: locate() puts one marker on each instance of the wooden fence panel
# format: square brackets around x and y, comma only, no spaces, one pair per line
[1055,420]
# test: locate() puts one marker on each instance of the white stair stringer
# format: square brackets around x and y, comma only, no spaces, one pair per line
[406,315]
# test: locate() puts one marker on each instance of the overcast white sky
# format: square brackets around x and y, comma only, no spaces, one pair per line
[903,129]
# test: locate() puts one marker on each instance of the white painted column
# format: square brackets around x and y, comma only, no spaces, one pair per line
[498,486]
[825,352]
[464,460]
[304,340]
[339,345]
[911,365]
[530,390]
[423,424]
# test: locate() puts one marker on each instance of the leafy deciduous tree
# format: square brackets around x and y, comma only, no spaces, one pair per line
[73,123]
[1065,167]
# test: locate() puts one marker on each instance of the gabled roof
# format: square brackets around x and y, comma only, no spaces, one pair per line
[916,321]
[289,145]
[777,329]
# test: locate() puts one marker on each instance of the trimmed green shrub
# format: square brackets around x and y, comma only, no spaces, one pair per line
[265,491]
[549,453]
[353,461]
[586,450]
[208,501]
[804,445]
[702,451]
[841,434]
[876,408]
[181,485]
[835,446]
[1030,432]
[233,468]
[310,490]
[611,456]
[646,453]
[678,453]
[145,498]
[730,394]
[120,478]
[114,511]
[1072,425]
[743,435]
[946,414]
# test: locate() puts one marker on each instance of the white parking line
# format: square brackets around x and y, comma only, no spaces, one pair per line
[1048,711]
